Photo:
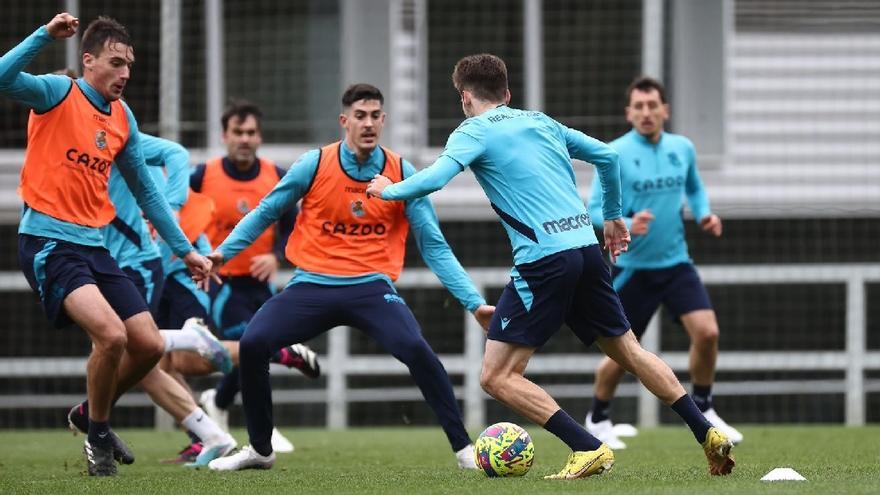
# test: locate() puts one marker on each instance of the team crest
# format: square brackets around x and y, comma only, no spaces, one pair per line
[242,206]
[673,159]
[101,139]
[357,208]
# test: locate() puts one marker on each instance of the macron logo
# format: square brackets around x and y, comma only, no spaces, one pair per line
[504,323]
[394,298]
[565,224]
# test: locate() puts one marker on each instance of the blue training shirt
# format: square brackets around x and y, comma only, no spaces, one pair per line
[128,237]
[422,220]
[43,92]
[657,177]
[522,160]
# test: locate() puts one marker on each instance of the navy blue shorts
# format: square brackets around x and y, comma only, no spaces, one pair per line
[571,287]
[55,268]
[234,303]
[678,288]
[149,278]
[305,310]
[181,300]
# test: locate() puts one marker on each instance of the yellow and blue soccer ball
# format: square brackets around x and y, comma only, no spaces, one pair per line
[504,449]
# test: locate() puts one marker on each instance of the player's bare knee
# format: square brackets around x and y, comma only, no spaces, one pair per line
[609,367]
[489,384]
[110,340]
[155,349]
[706,335]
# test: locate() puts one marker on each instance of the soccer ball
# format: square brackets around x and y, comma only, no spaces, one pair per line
[504,449]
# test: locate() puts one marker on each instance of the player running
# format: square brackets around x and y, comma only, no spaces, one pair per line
[522,160]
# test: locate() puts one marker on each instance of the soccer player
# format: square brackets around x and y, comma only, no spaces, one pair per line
[348,250]
[522,160]
[658,170]
[130,242]
[76,131]
[236,183]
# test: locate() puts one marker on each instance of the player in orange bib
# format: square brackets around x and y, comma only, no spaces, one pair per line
[236,183]
[77,130]
[348,251]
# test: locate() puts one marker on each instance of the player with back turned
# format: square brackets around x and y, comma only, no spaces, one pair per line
[522,160]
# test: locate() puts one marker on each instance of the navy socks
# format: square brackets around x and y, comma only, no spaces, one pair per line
[571,432]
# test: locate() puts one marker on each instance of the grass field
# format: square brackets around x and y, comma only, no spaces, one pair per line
[418,460]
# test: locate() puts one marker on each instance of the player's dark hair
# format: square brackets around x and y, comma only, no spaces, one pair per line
[645,84]
[100,31]
[484,75]
[240,109]
[361,91]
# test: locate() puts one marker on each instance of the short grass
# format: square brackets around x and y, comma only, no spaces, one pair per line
[418,460]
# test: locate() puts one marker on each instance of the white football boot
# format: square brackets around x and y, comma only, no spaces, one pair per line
[246,458]
[604,431]
[281,444]
[465,457]
[625,430]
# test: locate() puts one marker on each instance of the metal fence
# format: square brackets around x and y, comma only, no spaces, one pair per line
[339,365]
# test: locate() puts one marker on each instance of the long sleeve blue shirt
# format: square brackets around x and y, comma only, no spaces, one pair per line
[43,92]
[658,177]
[128,237]
[420,213]
[522,160]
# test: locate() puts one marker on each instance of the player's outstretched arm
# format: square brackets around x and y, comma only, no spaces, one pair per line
[440,259]
[606,161]
[140,182]
[280,199]
[38,92]
[423,183]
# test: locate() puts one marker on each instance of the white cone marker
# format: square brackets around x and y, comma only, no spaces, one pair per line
[783,474]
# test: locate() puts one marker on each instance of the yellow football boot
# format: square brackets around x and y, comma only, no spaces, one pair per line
[717,448]
[583,464]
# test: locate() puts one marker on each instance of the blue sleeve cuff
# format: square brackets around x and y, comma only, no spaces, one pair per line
[474,305]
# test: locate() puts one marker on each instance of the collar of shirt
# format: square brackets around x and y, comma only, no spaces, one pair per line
[93,95]
[644,140]
[232,171]
[361,171]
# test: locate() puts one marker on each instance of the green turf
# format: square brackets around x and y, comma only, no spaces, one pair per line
[418,460]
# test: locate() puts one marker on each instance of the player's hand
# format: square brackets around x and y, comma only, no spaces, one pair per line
[377,185]
[711,224]
[641,222]
[264,266]
[617,238]
[216,261]
[198,265]
[483,315]
[62,26]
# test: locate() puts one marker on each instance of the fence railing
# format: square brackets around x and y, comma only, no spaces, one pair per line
[853,361]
